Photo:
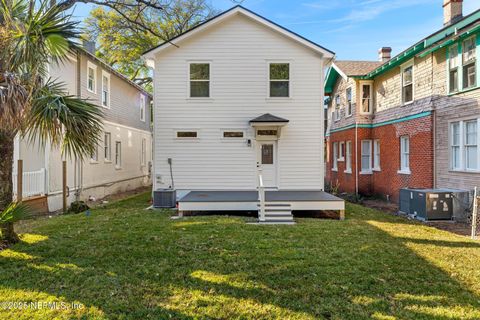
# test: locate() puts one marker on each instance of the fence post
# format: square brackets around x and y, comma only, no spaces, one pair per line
[19,180]
[64,186]
[474,214]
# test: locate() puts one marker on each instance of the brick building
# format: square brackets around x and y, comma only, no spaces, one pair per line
[408,121]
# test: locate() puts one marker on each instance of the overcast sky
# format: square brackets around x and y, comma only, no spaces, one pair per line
[353,29]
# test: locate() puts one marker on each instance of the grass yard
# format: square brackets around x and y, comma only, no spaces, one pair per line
[123,262]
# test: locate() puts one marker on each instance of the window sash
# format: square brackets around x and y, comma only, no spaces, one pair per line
[469,50]
[335,155]
[376,154]
[199,80]
[366,155]
[105,91]
[405,153]
[407,84]
[107,146]
[118,154]
[366,98]
[348,156]
[349,101]
[279,80]
[341,152]
[91,79]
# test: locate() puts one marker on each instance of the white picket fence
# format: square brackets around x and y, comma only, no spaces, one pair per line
[33,183]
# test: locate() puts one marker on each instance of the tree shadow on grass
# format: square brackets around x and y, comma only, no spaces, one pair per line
[139,264]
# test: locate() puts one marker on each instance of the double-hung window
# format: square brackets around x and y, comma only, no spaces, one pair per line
[469,59]
[341,151]
[453,68]
[91,77]
[407,84]
[335,156]
[464,149]
[348,156]
[376,155]
[107,146]
[118,154]
[279,78]
[404,154]
[337,107]
[366,156]
[105,90]
[348,94]
[366,98]
[199,80]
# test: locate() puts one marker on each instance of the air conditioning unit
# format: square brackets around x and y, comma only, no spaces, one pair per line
[164,198]
[432,204]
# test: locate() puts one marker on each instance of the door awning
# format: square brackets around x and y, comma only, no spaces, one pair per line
[268,119]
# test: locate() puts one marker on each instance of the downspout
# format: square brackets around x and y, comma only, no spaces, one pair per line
[434,149]
[356,158]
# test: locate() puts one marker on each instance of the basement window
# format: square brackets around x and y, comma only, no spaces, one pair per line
[187,134]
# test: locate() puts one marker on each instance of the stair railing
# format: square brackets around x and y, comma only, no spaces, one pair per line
[261,195]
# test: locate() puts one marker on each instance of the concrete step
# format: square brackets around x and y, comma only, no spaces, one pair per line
[278,213]
[277,222]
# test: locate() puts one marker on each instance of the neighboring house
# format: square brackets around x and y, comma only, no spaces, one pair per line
[236,92]
[412,120]
[123,158]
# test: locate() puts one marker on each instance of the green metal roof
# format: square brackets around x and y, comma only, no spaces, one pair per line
[331,79]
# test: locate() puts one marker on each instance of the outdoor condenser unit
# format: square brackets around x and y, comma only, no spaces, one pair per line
[431,204]
[164,198]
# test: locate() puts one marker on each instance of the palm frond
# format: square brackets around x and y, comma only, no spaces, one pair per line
[14,101]
[14,212]
[64,120]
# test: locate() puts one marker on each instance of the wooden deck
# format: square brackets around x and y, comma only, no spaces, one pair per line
[247,200]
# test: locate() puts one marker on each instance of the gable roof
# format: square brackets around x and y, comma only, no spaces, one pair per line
[348,68]
[267,117]
[248,13]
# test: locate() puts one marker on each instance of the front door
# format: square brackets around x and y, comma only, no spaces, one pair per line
[267,160]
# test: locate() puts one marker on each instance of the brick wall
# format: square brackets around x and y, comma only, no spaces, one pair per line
[387,181]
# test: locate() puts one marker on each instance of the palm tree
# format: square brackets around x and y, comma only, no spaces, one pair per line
[32,35]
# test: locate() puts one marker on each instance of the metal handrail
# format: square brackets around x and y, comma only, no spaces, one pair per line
[261,195]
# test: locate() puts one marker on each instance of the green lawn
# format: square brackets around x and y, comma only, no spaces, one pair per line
[123,262]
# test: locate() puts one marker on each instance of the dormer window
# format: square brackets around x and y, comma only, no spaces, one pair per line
[366,102]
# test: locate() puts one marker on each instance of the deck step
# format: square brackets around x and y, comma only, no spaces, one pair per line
[277,213]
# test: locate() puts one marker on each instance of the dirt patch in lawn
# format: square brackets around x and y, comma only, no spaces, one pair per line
[118,196]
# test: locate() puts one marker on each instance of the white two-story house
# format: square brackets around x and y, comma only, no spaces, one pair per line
[236,94]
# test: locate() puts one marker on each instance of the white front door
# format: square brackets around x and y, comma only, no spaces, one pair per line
[267,160]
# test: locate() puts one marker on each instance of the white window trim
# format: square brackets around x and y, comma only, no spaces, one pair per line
[335,156]
[143,108]
[360,97]
[462,64]
[93,66]
[233,138]
[289,62]
[404,170]
[463,167]
[449,69]
[347,114]
[369,170]
[336,108]
[402,68]
[176,131]
[341,151]
[109,102]
[348,157]
[210,80]
[376,145]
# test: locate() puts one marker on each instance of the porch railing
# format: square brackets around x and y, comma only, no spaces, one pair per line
[261,196]
[33,183]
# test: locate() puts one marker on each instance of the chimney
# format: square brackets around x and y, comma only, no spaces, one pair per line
[89,46]
[384,54]
[452,11]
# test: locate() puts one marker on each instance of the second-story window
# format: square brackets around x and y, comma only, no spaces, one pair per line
[279,76]
[105,90]
[366,98]
[91,77]
[142,107]
[349,102]
[453,68]
[407,84]
[337,107]
[469,52]
[199,80]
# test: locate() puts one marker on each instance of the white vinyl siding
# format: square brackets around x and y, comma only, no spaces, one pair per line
[366,156]
[240,51]
[464,149]
[348,157]
[404,155]
[335,156]
[376,155]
